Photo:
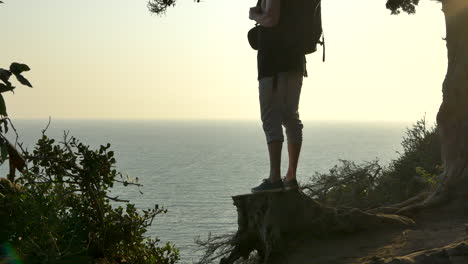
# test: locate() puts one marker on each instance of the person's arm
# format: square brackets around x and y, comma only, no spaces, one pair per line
[269,16]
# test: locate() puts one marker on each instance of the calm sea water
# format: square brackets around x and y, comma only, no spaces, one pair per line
[192,168]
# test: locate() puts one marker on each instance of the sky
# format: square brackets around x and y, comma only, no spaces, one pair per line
[112,59]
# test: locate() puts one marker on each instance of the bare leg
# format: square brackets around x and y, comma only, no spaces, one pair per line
[274,149]
[294,149]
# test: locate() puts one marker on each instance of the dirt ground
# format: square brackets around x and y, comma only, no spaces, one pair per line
[435,228]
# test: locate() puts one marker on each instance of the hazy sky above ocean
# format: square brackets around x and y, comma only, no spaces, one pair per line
[114,60]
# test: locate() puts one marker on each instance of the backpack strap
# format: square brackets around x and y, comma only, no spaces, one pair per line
[259,6]
[323,45]
[305,67]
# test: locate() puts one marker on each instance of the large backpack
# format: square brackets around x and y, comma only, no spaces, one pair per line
[312,26]
[303,25]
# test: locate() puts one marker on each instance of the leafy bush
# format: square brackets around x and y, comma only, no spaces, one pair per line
[347,184]
[416,169]
[60,210]
[369,184]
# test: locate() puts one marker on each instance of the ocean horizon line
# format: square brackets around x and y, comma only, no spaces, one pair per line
[194,120]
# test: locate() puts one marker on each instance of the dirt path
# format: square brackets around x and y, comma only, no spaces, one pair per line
[435,228]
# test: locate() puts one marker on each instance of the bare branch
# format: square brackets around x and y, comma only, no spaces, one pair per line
[47,127]
[116,199]
[215,247]
[17,135]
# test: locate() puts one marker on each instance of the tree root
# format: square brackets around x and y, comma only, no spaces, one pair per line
[422,201]
[434,199]
[392,209]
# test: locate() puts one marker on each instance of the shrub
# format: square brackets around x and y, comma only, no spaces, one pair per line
[416,169]
[346,184]
[369,184]
[61,212]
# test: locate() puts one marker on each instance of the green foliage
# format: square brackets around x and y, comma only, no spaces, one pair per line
[346,184]
[60,210]
[368,184]
[160,6]
[16,69]
[408,6]
[402,179]
[429,178]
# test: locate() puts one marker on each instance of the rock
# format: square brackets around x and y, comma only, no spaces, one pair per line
[269,222]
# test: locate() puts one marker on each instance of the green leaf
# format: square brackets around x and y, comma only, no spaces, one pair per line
[23,80]
[18,68]
[4,151]
[5,88]
[3,111]
[5,75]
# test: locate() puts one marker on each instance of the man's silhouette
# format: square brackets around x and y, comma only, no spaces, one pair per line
[281,67]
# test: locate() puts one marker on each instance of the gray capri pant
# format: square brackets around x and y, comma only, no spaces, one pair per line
[280,107]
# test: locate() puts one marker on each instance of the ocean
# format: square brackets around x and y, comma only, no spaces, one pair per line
[192,168]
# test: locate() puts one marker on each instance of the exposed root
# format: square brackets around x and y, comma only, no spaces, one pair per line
[394,208]
[436,198]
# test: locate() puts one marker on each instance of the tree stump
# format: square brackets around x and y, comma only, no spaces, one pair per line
[269,222]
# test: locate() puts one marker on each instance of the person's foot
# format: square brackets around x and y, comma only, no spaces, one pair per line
[290,184]
[267,186]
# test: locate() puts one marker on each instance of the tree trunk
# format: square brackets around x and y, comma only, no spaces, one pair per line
[452,118]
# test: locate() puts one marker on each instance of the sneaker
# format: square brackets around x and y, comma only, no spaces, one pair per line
[290,184]
[266,186]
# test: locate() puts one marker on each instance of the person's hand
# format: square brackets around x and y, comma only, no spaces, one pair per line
[253,12]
